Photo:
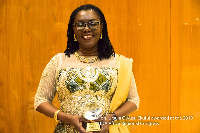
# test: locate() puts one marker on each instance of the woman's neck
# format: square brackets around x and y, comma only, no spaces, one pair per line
[83,52]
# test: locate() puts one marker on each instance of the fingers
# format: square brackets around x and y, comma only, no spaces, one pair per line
[84,120]
[76,121]
[81,120]
[82,130]
[78,125]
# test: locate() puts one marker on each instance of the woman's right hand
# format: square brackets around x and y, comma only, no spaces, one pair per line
[76,121]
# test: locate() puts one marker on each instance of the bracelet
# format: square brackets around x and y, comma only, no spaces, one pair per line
[115,116]
[56,115]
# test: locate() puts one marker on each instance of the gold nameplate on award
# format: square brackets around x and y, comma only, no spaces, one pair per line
[91,127]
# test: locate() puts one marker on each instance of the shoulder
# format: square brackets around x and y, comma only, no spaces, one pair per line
[58,56]
[61,59]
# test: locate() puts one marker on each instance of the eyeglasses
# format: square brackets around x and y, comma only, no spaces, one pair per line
[93,25]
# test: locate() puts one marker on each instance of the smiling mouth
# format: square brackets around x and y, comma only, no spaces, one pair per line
[87,37]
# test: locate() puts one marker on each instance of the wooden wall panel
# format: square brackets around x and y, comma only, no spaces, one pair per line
[185,65]
[161,37]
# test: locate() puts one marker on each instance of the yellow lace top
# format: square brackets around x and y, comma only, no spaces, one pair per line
[79,84]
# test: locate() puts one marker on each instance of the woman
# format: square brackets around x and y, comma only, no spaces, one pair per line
[88,72]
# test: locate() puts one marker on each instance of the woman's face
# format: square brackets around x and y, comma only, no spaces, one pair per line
[87,34]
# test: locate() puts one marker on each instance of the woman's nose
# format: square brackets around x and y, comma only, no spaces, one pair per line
[86,27]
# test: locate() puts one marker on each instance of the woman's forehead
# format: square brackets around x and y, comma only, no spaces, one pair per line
[87,15]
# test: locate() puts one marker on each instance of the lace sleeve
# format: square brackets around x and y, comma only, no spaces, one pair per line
[47,87]
[133,95]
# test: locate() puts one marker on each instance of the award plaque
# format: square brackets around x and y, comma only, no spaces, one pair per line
[92,113]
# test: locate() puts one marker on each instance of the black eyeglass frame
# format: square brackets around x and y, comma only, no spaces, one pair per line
[86,23]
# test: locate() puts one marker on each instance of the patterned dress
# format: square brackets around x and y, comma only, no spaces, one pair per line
[80,86]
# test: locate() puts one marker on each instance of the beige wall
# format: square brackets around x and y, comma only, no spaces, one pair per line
[162,37]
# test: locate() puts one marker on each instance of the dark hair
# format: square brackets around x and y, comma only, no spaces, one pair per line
[105,48]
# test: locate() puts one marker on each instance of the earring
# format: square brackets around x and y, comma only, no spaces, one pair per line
[75,38]
[101,36]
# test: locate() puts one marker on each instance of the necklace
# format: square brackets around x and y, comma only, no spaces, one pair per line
[86,60]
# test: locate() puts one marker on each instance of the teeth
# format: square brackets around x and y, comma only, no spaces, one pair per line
[87,36]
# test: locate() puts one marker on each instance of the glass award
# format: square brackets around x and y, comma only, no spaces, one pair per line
[92,112]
